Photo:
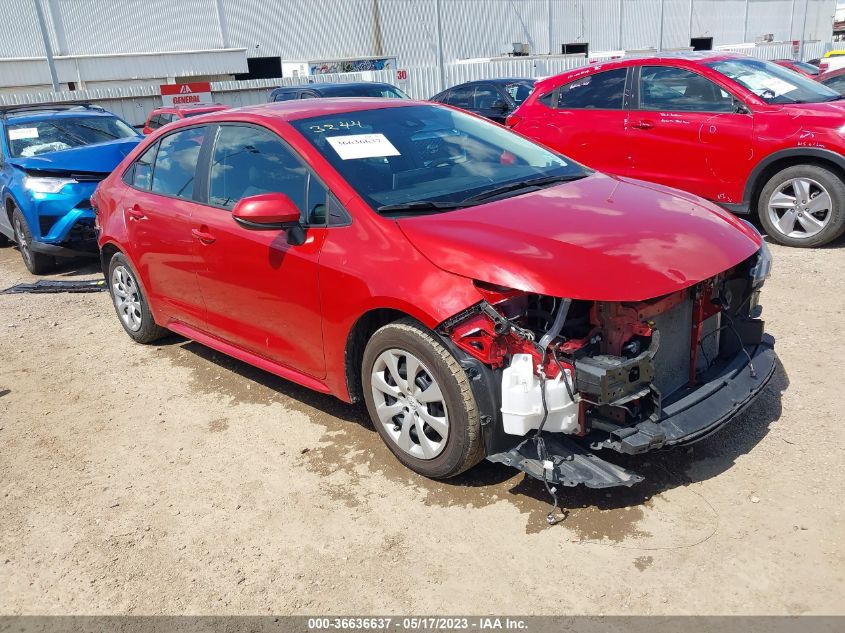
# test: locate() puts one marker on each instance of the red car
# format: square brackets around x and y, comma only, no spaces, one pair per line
[745,133]
[482,295]
[805,68]
[162,116]
[833,79]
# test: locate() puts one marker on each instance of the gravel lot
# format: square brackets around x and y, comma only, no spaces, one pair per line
[171,479]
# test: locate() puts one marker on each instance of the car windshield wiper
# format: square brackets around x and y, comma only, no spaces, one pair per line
[422,205]
[523,184]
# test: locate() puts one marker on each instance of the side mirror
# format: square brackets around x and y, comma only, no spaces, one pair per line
[270,211]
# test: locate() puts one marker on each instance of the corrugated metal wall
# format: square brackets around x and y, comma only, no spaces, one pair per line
[306,29]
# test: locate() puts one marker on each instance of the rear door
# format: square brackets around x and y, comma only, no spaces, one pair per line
[585,119]
[261,293]
[685,131]
[157,213]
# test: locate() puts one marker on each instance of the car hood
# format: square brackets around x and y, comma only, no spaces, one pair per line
[102,157]
[600,238]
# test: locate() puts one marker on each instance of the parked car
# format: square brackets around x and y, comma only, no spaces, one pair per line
[427,261]
[493,99]
[832,60]
[162,116]
[805,68]
[51,158]
[745,133]
[834,79]
[350,89]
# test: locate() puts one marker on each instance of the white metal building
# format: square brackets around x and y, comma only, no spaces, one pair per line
[96,43]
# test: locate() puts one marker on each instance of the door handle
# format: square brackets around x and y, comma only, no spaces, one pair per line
[643,124]
[135,213]
[203,236]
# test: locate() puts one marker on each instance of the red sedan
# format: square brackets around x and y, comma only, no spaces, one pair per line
[805,68]
[484,296]
[745,133]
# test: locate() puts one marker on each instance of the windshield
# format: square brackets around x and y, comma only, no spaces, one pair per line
[385,92]
[60,133]
[773,83]
[519,91]
[429,154]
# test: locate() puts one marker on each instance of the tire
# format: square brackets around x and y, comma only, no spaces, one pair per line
[448,446]
[129,302]
[36,263]
[809,200]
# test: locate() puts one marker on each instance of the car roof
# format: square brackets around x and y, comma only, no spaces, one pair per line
[689,57]
[304,108]
[40,113]
[329,87]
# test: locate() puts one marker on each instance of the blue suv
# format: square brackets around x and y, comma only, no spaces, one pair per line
[51,159]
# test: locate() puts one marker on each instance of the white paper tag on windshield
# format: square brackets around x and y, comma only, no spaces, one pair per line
[362,146]
[22,132]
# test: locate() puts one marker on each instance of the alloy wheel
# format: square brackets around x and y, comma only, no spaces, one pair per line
[409,404]
[127,298]
[800,208]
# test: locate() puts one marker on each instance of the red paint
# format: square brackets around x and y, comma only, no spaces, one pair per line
[710,154]
[266,208]
[290,309]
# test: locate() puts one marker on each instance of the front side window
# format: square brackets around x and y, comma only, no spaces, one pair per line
[599,91]
[430,155]
[679,90]
[248,161]
[773,83]
[836,83]
[64,132]
[285,96]
[520,91]
[176,163]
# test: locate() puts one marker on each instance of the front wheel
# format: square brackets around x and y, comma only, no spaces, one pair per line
[36,263]
[803,206]
[420,401]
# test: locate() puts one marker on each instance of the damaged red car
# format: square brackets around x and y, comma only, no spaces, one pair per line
[484,296]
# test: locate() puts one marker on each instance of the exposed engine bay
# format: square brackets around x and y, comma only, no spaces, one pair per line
[572,377]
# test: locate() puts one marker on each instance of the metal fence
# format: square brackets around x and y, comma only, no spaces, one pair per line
[133,103]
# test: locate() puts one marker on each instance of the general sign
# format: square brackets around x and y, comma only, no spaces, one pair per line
[186,94]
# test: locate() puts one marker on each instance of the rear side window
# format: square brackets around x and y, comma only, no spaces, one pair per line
[176,163]
[284,96]
[140,175]
[679,90]
[486,96]
[461,97]
[600,91]
[249,161]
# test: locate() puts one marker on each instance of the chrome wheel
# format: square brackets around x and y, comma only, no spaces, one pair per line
[23,245]
[409,404]
[127,298]
[800,208]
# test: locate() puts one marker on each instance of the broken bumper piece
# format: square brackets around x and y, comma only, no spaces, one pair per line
[572,464]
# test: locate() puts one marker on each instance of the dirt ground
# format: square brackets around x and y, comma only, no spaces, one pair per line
[171,479]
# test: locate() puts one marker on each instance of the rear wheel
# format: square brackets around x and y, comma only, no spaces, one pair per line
[803,206]
[130,303]
[420,401]
[36,263]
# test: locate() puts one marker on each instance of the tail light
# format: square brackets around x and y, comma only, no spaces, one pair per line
[512,120]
